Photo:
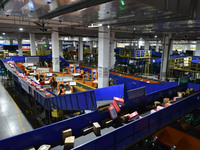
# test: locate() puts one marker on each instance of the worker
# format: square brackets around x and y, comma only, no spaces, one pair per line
[69,89]
[111,82]
[28,70]
[62,89]
[42,80]
[53,83]
[82,73]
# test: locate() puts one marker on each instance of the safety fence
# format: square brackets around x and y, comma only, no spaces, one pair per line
[116,139]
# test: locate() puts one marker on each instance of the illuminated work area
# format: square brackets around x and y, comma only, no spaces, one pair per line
[99,75]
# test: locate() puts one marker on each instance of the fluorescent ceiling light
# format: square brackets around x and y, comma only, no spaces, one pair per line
[21,29]
[95,25]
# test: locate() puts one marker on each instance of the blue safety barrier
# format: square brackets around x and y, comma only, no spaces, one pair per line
[76,101]
[195,86]
[116,139]
[129,83]
[109,92]
[151,88]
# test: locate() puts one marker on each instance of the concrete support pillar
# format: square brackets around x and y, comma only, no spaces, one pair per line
[188,47]
[80,51]
[157,47]
[197,52]
[103,56]
[20,47]
[112,47]
[61,48]
[11,41]
[138,44]
[146,46]
[165,56]
[32,44]
[55,51]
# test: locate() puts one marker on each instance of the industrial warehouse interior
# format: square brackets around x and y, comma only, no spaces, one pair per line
[100,74]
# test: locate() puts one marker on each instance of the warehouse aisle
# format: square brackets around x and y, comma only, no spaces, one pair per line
[12,120]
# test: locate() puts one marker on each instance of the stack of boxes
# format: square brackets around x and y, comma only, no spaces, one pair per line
[68,139]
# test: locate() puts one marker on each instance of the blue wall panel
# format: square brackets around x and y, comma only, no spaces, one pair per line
[109,92]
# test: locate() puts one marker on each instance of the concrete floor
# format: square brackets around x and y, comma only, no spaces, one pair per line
[10,117]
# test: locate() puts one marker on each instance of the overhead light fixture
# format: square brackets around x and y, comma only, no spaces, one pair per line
[3,33]
[99,24]
[134,28]
[95,25]
[21,29]
[156,36]
[108,26]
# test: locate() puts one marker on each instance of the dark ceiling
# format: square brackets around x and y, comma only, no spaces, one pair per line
[139,17]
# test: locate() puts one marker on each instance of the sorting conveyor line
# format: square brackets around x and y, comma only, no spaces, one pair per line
[91,136]
[44,135]
[17,80]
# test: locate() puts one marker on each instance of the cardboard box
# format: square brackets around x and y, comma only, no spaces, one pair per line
[87,130]
[156,103]
[188,92]
[180,94]
[106,122]
[112,111]
[44,147]
[69,142]
[191,89]
[66,133]
[166,100]
[97,128]
[133,116]
[124,118]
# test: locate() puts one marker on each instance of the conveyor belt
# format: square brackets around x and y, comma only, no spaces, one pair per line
[32,87]
[83,86]
[91,136]
[85,138]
